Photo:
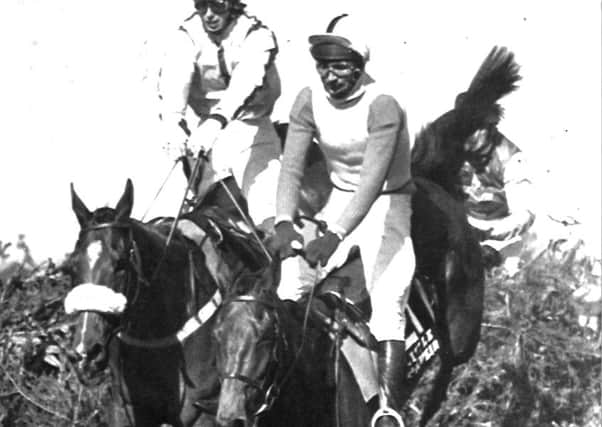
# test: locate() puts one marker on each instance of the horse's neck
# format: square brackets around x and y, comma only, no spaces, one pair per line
[226,196]
[438,158]
[163,276]
[291,316]
[154,255]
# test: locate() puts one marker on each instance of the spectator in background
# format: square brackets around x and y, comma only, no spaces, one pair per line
[15,259]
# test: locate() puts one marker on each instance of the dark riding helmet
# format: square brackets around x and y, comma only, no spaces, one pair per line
[341,41]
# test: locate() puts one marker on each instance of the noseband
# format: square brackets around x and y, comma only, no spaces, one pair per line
[270,386]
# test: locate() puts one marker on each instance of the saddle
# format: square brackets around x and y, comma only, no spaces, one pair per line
[341,305]
[341,302]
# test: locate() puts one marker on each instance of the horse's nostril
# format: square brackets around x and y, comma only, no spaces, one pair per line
[81,354]
[74,356]
[235,423]
[94,351]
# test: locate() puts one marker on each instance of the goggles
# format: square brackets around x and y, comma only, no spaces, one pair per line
[338,68]
[219,7]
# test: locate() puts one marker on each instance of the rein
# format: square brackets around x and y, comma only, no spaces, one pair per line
[160,189]
[247,221]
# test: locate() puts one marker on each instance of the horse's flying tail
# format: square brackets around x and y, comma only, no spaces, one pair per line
[497,76]
[439,152]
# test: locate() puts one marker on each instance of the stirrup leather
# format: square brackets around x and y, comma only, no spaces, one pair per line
[386,412]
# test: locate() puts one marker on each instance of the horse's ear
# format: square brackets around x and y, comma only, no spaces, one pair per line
[124,205]
[81,211]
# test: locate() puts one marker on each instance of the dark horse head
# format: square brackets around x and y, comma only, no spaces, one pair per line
[125,282]
[276,363]
[250,353]
[100,265]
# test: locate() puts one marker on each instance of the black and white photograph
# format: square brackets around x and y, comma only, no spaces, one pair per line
[250,213]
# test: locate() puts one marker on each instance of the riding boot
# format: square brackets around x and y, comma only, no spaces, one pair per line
[391,364]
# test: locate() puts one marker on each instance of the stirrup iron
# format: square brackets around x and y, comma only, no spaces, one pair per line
[386,412]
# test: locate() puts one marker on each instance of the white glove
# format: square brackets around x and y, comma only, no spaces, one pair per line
[204,136]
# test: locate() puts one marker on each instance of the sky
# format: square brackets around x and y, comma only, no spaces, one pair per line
[79,105]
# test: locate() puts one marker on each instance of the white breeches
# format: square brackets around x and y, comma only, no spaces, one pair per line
[387,256]
[251,153]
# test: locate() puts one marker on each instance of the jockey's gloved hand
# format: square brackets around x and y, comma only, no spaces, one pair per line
[203,137]
[320,250]
[282,241]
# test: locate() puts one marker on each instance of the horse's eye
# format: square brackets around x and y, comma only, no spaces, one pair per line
[121,264]
[266,338]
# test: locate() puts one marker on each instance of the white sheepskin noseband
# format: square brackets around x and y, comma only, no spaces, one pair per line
[91,297]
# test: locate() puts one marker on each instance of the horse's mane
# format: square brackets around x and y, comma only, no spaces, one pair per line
[439,150]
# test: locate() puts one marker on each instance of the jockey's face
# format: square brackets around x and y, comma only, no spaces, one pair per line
[214,13]
[339,77]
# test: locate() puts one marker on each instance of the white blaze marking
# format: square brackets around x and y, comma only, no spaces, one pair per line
[93,252]
[80,347]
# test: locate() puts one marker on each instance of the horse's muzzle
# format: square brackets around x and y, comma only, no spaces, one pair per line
[231,411]
[90,367]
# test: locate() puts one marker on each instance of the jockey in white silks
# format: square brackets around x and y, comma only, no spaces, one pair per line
[500,199]
[220,74]
[362,132]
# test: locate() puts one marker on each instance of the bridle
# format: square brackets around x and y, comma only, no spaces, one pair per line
[270,386]
[131,265]
[134,275]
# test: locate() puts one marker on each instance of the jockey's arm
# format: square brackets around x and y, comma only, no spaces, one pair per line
[386,120]
[258,54]
[300,134]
